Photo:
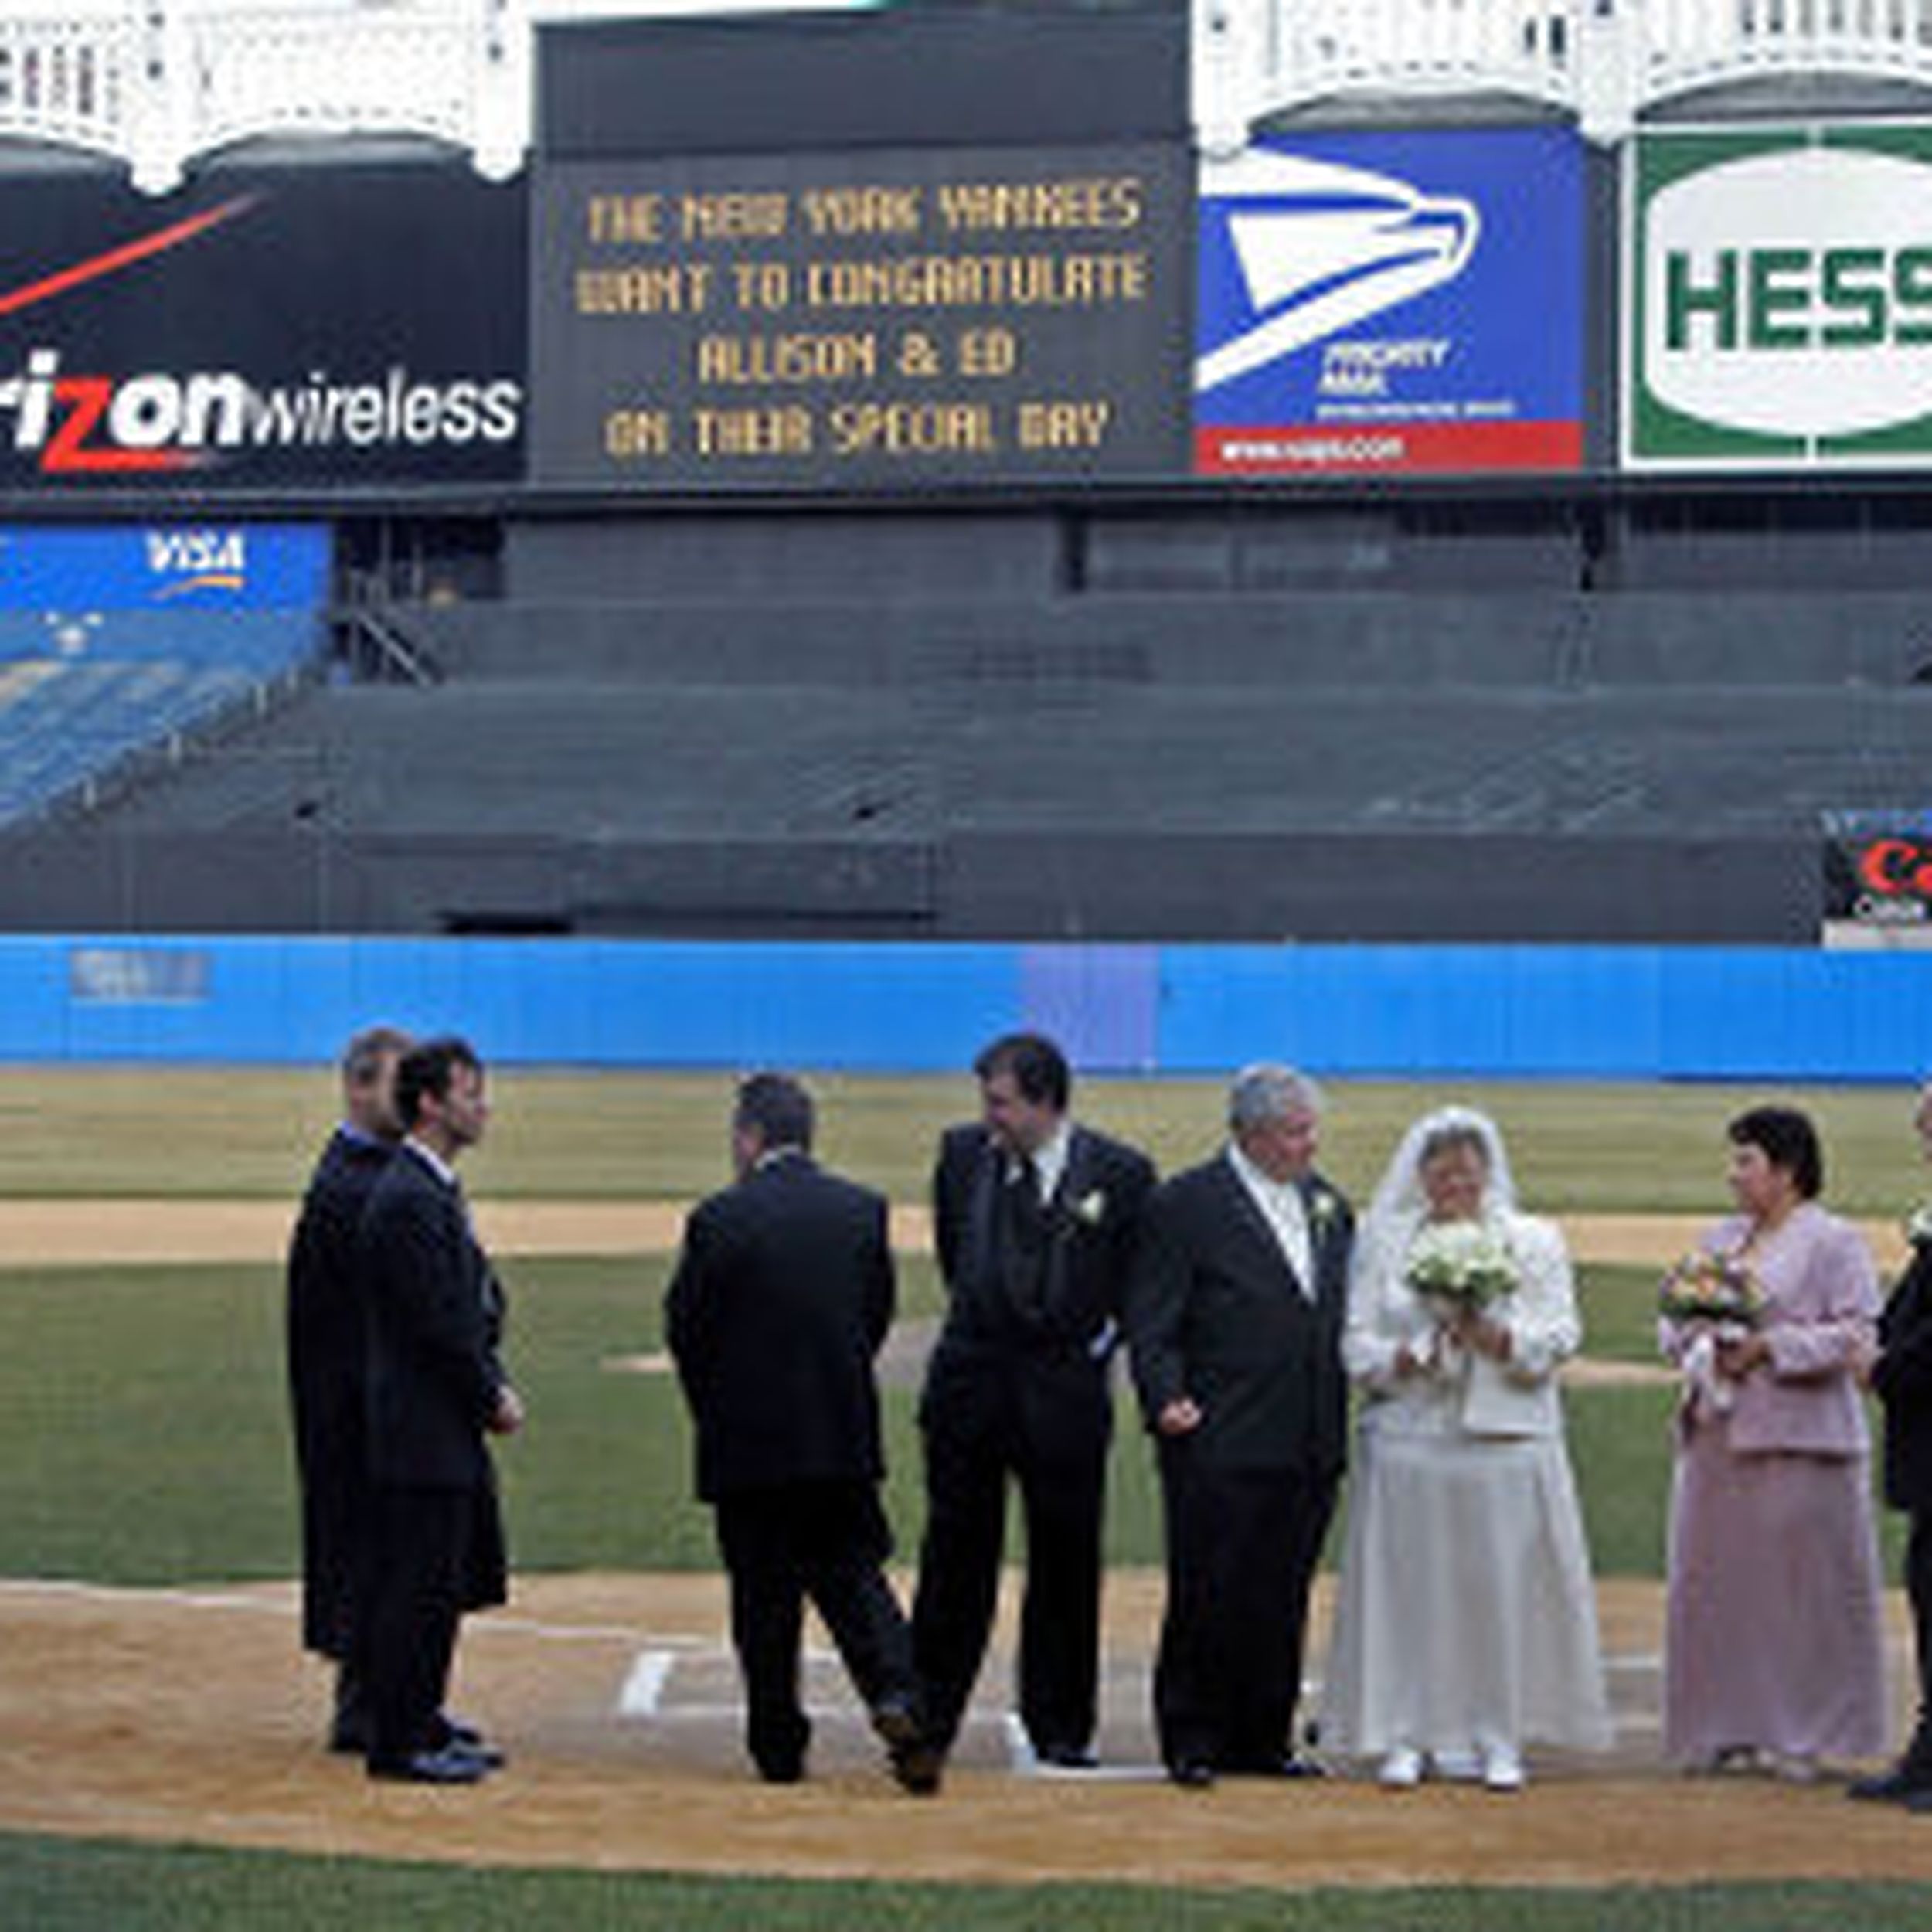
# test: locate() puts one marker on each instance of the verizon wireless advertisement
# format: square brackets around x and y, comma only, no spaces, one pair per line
[261,329]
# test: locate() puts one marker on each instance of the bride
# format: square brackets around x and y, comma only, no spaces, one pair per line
[1465,1626]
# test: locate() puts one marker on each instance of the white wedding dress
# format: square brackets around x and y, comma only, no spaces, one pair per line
[1466,1618]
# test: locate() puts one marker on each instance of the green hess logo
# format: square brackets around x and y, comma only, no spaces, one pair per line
[1778,296]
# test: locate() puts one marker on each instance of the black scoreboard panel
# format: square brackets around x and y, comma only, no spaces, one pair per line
[870,318]
[949,72]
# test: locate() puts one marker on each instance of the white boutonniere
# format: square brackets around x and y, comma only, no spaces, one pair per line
[1089,1210]
[1918,1226]
[1324,1210]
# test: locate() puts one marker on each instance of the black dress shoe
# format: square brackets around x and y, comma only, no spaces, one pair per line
[1067,1757]
[1897,1786]
[348,1737]
[917,1759]
[1192,1773]
[789,1770]
[1281,1764]
[449,1766]
[451,1735]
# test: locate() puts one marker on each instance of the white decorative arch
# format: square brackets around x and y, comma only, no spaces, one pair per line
[1606,61]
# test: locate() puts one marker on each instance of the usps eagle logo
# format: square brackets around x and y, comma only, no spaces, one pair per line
[1320,247]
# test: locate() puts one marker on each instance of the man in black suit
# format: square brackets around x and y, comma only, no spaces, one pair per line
[324,1350]
[436,1387]
[782,1297]
[1234,1323]
[1902,1377]
[1034,1221]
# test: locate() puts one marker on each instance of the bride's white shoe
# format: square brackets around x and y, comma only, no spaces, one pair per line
[1401,1769]
[1503,1768]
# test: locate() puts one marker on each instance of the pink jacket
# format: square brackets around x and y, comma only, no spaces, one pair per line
[1821,1304]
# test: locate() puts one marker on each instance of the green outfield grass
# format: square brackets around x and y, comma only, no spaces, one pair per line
[143,1436]
[56,1885]
[253,1132]
[143,1439]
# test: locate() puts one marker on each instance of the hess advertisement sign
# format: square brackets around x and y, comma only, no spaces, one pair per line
[285,326]
[1391,301]
[1778,296]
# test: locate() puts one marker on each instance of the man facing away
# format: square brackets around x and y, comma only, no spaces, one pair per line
[1034,1220]
[436,1387]
[324,1329]
[782,1296]
[1234,1323]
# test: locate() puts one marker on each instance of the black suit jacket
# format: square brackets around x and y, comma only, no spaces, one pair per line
[1215,1312]
[324,1332]
[989,1354]
[782,1296]
[1902,1378]
[435,1318]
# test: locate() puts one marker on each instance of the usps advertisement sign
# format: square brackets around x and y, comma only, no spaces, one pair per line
[1778,296]
[1392,301]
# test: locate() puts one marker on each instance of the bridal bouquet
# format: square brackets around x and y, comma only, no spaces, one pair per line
[1707,1287]
[1717,1291]
[1461,1263]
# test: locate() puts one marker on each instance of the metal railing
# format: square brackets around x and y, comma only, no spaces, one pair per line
[1605,61]
[156,82]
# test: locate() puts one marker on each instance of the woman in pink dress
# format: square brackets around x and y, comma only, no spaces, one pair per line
[1774,1647]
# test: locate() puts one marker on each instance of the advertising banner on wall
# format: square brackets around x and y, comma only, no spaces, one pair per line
[1777,307]
[864,321]
[1878,873]
[1392,301]
[202,565]
[299,328]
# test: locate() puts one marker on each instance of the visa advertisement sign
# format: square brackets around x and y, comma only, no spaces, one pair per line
[1778,304]
[233,566]
[1384,301]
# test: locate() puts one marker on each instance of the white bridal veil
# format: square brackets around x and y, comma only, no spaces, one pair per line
[1399,1198]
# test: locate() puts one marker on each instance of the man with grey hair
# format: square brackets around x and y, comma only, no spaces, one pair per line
[1234,1317]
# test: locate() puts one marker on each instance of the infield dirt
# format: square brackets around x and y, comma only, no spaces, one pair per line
[189,1715]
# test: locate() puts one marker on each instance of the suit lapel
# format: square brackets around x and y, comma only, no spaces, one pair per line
[1247,1213]
[982,1203]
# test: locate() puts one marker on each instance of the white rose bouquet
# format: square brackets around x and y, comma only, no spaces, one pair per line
[1461,1264]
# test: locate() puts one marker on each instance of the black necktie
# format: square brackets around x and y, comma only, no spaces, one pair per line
[1025,1235]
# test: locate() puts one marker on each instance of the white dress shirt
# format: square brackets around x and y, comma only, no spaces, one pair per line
[1049,1161]
[1281,1207]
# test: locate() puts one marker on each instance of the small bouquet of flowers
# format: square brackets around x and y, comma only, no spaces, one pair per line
[1460,1265]
[1717,1292]
[1706,1286]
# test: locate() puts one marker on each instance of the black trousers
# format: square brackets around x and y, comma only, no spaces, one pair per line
[1062,1491]
[418,1583]
[826,1541]
[1918,1589]
[1243,1546]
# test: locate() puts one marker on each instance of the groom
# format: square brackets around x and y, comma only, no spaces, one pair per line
[1234,1326]
[1034,1219]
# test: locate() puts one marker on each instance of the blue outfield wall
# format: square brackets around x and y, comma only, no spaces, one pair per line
[1610,1012]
